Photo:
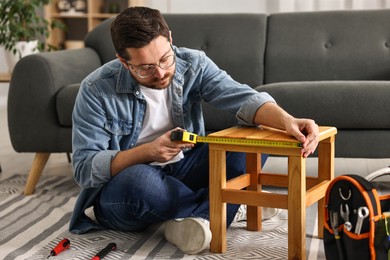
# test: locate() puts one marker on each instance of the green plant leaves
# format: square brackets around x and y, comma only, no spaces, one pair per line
[20,21]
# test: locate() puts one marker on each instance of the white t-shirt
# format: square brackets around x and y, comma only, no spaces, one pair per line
[158,118]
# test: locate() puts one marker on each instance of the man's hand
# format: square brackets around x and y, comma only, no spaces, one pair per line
[163,149]
[306,131]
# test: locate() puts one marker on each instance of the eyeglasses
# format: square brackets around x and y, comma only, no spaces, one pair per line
[144,71]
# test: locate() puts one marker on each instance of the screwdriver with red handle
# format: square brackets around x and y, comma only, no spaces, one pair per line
[61,246]
[104,251]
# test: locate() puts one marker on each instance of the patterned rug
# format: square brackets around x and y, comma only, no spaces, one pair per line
[31,226]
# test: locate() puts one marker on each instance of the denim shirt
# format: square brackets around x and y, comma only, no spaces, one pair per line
[109,112]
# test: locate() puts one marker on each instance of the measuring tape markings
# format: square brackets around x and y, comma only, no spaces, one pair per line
[193,138]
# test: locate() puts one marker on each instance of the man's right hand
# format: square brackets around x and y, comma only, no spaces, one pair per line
[160,150]
[163,149]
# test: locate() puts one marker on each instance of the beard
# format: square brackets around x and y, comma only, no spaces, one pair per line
[157,83]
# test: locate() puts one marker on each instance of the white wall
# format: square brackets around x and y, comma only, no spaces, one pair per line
[261,6]
[207,6]
[3,65]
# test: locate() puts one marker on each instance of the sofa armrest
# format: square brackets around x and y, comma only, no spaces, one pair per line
[36,80]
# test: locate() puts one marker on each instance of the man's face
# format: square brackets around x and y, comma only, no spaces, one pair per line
[145,59]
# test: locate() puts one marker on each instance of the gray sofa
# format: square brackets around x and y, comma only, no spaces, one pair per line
[333,67]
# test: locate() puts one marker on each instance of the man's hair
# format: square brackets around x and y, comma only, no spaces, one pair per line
[136,27]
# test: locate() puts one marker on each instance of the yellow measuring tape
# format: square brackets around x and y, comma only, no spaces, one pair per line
[194,138]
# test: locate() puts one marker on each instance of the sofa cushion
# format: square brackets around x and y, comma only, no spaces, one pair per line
[360,143]
[344,104]
[65,100]
[332,45]
[221,36]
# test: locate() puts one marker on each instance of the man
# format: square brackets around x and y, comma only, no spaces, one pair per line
[129,170]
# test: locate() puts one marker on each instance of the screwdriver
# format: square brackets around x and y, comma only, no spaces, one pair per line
[61,246]
[104,251]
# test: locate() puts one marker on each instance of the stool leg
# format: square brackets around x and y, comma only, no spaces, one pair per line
[326,153]
[217,177]
[296,207]
[253,166]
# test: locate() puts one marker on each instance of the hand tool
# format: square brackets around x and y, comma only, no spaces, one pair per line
[194,138]
[362,214]
[61,246]
[348,226]
[334,222]
[345,215]
[104,251]
[342,196]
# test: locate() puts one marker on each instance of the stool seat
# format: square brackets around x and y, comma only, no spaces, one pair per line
[246,189]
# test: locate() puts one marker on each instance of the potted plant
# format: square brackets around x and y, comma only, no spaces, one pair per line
[23,30]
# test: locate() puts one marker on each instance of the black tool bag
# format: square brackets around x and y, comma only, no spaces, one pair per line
[357,218]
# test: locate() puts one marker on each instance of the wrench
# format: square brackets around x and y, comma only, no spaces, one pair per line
[345,216]
[362,214]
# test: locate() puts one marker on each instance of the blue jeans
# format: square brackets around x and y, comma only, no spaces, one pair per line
[142,195]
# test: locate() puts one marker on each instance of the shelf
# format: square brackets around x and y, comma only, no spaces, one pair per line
[103,15]
[72,15]
[83,15]
[79,23]
[5,77]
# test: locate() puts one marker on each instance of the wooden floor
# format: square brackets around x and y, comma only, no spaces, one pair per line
[20,163]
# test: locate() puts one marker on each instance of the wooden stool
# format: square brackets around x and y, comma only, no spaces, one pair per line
[302,191]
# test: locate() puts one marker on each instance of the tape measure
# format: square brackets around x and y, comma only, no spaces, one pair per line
[194,138]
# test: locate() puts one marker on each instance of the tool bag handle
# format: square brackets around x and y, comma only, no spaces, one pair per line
[381,172]
[367,185]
